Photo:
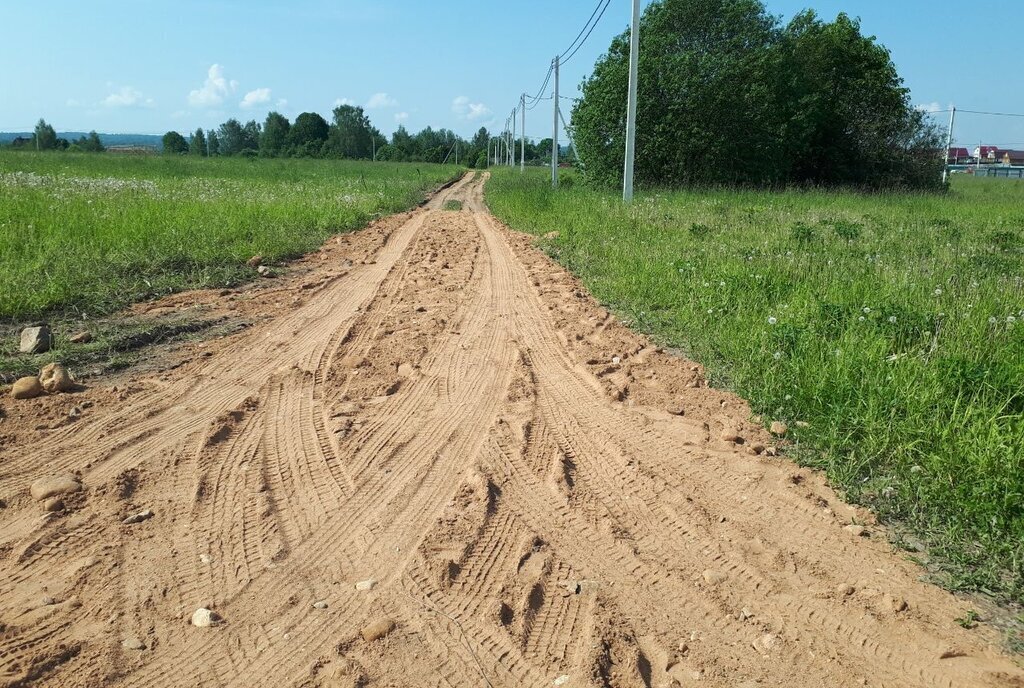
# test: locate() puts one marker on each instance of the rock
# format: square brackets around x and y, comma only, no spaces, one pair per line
[264,271]
[856,530]
[26,388]
[715,577]
[83,337]
[676,409]
[320,604]
[952,653]
[55,378]
[133,643]
[766,643]
[756,448]
[367,584]
[771,451]
[894,603]
[732,435]
[53,504]
[803,424]
[53,486]
[561,680]
[406,370]
[75,412]
[616,360]
[845,590]
[35,340]
[139,517]
[255,261]
[377,630]
[205,558]
[204,618]
[47,601]
[778,427]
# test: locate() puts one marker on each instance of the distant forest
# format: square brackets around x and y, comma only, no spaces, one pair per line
[349,135]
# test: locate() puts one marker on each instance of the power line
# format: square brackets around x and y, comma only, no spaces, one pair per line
[590,19]
[593,26]
[994,114]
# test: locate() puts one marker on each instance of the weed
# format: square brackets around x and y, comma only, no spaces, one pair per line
[89,234]
[901,344]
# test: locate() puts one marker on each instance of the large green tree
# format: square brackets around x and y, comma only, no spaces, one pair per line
[232,137]
[308,134]
[728,95]
[44,138]
[351,134]
[197,144]
[174,143]
[274,139]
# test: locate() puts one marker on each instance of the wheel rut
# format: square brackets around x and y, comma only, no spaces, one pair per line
[440,408]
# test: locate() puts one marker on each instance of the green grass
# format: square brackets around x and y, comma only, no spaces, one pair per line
[891,325]
[88,234]
[453,205]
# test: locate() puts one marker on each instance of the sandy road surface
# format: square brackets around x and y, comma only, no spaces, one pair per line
[437,406]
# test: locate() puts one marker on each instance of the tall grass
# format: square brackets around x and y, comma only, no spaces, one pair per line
[91,233]
[890,326]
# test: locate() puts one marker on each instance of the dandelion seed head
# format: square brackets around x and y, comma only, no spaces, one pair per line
[772,320]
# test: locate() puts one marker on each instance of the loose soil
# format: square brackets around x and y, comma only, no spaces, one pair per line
[526,492]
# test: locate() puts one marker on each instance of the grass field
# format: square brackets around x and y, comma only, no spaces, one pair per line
[91,233]
[890,326]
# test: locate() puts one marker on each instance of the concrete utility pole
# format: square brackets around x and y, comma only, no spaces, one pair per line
[949,144]
[522,134]
[634,58]
[512,158]
[554,134]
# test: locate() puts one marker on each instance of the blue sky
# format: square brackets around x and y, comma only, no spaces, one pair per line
[147,66]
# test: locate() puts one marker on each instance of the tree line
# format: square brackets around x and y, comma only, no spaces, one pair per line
[349,135]
[45,138]
[730,95]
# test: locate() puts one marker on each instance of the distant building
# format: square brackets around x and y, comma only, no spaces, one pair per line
[986,154]
[1010,157]
[958,156]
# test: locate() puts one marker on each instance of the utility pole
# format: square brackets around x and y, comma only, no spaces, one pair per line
[456,151]
[522,134]
[512,158]
[949,144]
[554,134]
[634,58]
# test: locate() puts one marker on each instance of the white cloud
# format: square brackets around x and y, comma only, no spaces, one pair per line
[401,117]
[343,101]
[467,110]
[932,107]
[126,96]
[214,89]
[260,96]
[380,100]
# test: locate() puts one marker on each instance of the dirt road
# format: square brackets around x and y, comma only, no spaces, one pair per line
[539,496]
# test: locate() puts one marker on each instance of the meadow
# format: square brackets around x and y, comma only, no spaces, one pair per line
[887,330]
[85,235]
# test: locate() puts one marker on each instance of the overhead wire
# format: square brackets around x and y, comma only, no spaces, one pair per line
[563,58]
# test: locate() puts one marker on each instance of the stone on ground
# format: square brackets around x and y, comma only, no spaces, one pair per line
[26,388]
[204,618]
[54,485]
[55,378]
[83,337]
[778,428]
[35,340]
[377,630]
